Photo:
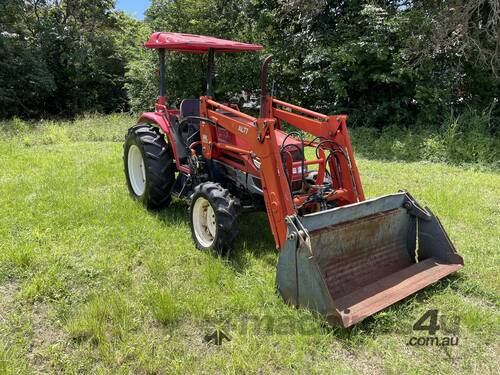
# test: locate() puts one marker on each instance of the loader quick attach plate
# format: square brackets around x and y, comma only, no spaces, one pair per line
[358,259]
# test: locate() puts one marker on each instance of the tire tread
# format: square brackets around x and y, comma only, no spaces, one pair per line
[159,164]
[226,208]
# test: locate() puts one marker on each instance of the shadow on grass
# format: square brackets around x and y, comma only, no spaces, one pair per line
[254,235]
[255,238]
[175,213]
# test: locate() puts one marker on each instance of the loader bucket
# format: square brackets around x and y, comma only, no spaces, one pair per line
[350,262]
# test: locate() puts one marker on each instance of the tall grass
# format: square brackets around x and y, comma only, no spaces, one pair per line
[471,137]
[90,128]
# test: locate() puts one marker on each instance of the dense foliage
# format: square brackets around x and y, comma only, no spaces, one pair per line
[61,57]
[384,62]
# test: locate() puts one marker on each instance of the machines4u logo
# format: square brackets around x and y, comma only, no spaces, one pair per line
[432,322]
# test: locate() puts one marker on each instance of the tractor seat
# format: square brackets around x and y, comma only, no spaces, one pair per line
[189,131]
[190,107]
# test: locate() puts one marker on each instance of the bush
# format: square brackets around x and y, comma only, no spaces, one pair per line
[15,126]
[142,83]
[469,137]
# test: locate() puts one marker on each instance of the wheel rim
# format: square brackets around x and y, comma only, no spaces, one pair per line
[204,222]
[136,170]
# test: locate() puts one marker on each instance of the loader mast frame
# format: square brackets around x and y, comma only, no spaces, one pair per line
[259,133]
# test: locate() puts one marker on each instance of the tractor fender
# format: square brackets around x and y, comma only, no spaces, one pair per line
[160,121]
[156,119]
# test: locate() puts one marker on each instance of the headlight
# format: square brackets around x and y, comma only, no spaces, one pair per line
[256,162]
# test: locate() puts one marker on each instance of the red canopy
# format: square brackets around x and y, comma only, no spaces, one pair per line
[196,43]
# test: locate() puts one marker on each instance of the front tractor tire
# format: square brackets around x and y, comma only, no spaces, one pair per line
[149,167]
[213,217]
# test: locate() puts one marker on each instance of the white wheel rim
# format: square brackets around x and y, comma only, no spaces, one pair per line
[204,222]
[136,170]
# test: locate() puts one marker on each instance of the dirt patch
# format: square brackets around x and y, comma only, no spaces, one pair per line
[46,337]
[477,301]
[36,331]
[8,292]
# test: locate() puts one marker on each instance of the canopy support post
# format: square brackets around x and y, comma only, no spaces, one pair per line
[161,52]
[210,72]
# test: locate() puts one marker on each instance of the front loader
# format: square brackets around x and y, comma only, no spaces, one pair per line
[340,255]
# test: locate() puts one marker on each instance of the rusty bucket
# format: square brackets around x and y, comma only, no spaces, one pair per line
[350,262]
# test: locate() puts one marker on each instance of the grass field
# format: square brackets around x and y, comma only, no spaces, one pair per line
[90,282]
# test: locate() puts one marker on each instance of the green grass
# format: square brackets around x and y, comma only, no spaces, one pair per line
[90,282]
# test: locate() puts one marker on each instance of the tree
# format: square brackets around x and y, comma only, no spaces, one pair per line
[186,72]
[62,57]
[24,76]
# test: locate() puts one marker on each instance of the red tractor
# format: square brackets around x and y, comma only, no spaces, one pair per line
[339,254]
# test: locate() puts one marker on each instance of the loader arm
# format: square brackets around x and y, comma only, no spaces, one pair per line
[259,134]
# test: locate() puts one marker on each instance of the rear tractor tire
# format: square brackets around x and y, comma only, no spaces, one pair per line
[149,166]
[213,215]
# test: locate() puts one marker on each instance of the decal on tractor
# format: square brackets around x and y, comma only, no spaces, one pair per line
[243,129]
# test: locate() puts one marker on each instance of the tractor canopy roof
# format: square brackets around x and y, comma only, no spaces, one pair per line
[196,43]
